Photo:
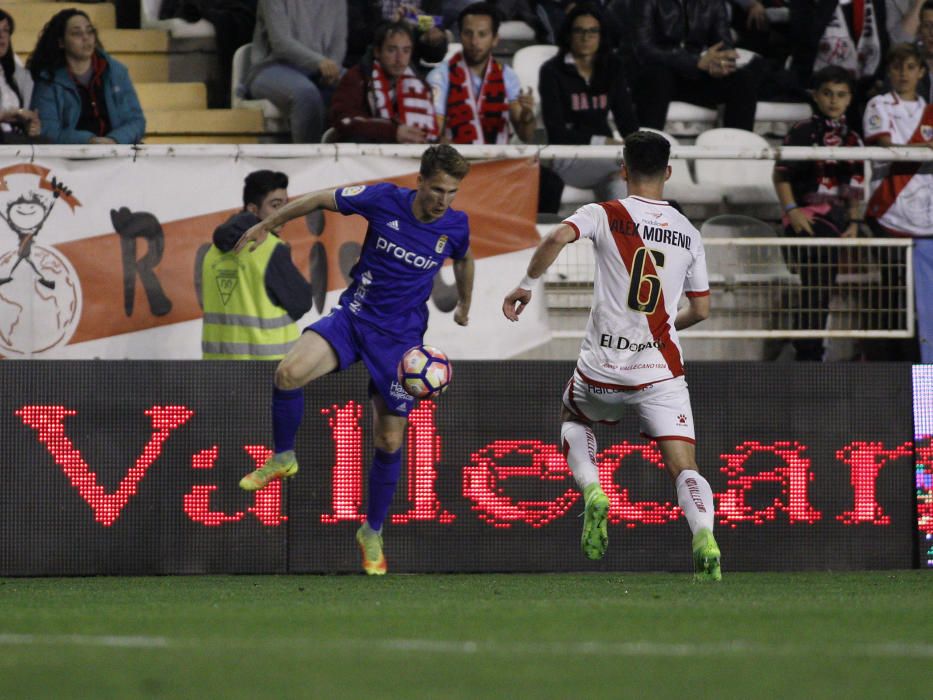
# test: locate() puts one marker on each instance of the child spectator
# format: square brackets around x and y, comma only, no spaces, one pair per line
[901,201]
[82,94]
[820,198]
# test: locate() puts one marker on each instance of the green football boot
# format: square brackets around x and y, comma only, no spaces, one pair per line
[278,466]
[595,538]
[370,542]
[705,557]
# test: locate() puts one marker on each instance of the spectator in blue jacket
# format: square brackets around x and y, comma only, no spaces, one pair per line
[82,94]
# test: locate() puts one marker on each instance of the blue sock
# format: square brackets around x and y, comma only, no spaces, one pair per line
[383,476]
[288,407]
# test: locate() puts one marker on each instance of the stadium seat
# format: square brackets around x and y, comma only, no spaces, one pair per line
[176,27]
[204,126]
[737,265]
[514,30]
[743,181]
[527,63]
[31,17]
[776,118]
[171,96]
[685,119]
[273,119]
[682,186]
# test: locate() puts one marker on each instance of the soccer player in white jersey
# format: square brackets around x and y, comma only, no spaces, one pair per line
[647,255]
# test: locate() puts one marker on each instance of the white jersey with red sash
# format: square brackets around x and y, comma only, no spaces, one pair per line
[473,118]
[901,196]
[411,105]
[860,55]
[647,254]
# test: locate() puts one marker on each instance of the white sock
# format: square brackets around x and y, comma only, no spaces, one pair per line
[695,497]
[579,445]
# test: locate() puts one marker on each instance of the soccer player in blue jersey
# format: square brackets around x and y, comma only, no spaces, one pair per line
[382,313]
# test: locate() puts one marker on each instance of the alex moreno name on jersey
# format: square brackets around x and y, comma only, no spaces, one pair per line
[396,251]
[654,234]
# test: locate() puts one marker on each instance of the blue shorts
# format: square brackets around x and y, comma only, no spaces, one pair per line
[380,352]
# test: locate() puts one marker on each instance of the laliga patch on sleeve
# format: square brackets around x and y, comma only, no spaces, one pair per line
[352,191]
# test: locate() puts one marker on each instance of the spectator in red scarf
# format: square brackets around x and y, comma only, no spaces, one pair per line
[476,97]
[382,100]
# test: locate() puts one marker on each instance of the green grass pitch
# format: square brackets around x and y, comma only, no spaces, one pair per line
[755,635]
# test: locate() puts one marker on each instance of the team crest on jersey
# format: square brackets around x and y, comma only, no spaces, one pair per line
[352,191]
[926,132]
[831,138]
[441,242]
[874,121]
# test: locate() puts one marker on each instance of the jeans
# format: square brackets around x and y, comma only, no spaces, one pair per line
[297,96]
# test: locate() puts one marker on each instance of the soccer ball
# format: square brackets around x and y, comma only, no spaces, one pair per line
[424,371]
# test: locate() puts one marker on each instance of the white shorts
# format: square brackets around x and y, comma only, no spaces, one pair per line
[663,409]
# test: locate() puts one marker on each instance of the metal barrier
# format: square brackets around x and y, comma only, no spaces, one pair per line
[778,287]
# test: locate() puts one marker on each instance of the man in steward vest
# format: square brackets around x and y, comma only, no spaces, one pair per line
[251,302]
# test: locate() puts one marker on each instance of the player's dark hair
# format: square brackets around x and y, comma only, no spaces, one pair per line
[49,54]
[485,9]
[260,183]
[7,61]
[833,74]
[646,154]
[386,29]
[899,53]
[443,158]
[926,7]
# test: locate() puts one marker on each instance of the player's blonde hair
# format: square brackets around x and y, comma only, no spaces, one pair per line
[443,158]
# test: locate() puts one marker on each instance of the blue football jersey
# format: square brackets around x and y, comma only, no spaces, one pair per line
[392,281]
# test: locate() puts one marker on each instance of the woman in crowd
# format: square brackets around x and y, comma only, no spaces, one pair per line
[579,87]
[82,94]
[16,123]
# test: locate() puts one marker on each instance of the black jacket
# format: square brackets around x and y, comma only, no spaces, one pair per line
[574,111]
[675,32]
[285,285]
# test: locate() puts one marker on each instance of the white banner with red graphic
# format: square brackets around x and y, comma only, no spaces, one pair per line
[100,258]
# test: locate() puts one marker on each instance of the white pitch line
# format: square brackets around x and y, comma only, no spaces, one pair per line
[738,647]
[83,640]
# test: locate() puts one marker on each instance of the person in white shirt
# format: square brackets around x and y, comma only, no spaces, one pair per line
[647,255]
[15,90]
[901,200]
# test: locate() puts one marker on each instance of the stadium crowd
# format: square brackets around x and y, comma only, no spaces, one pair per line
[426,71]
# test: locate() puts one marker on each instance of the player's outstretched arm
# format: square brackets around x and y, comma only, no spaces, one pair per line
[322,199]
[463,274]
[696,310]
[544,256]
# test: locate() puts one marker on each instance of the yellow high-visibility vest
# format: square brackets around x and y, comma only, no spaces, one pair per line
[240,320]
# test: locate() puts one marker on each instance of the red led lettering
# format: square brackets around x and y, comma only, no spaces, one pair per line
[49,422]
[621,507]
[865,460]
[793,473]
[347,472]
[267,504]
[424,452]
[483,477]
